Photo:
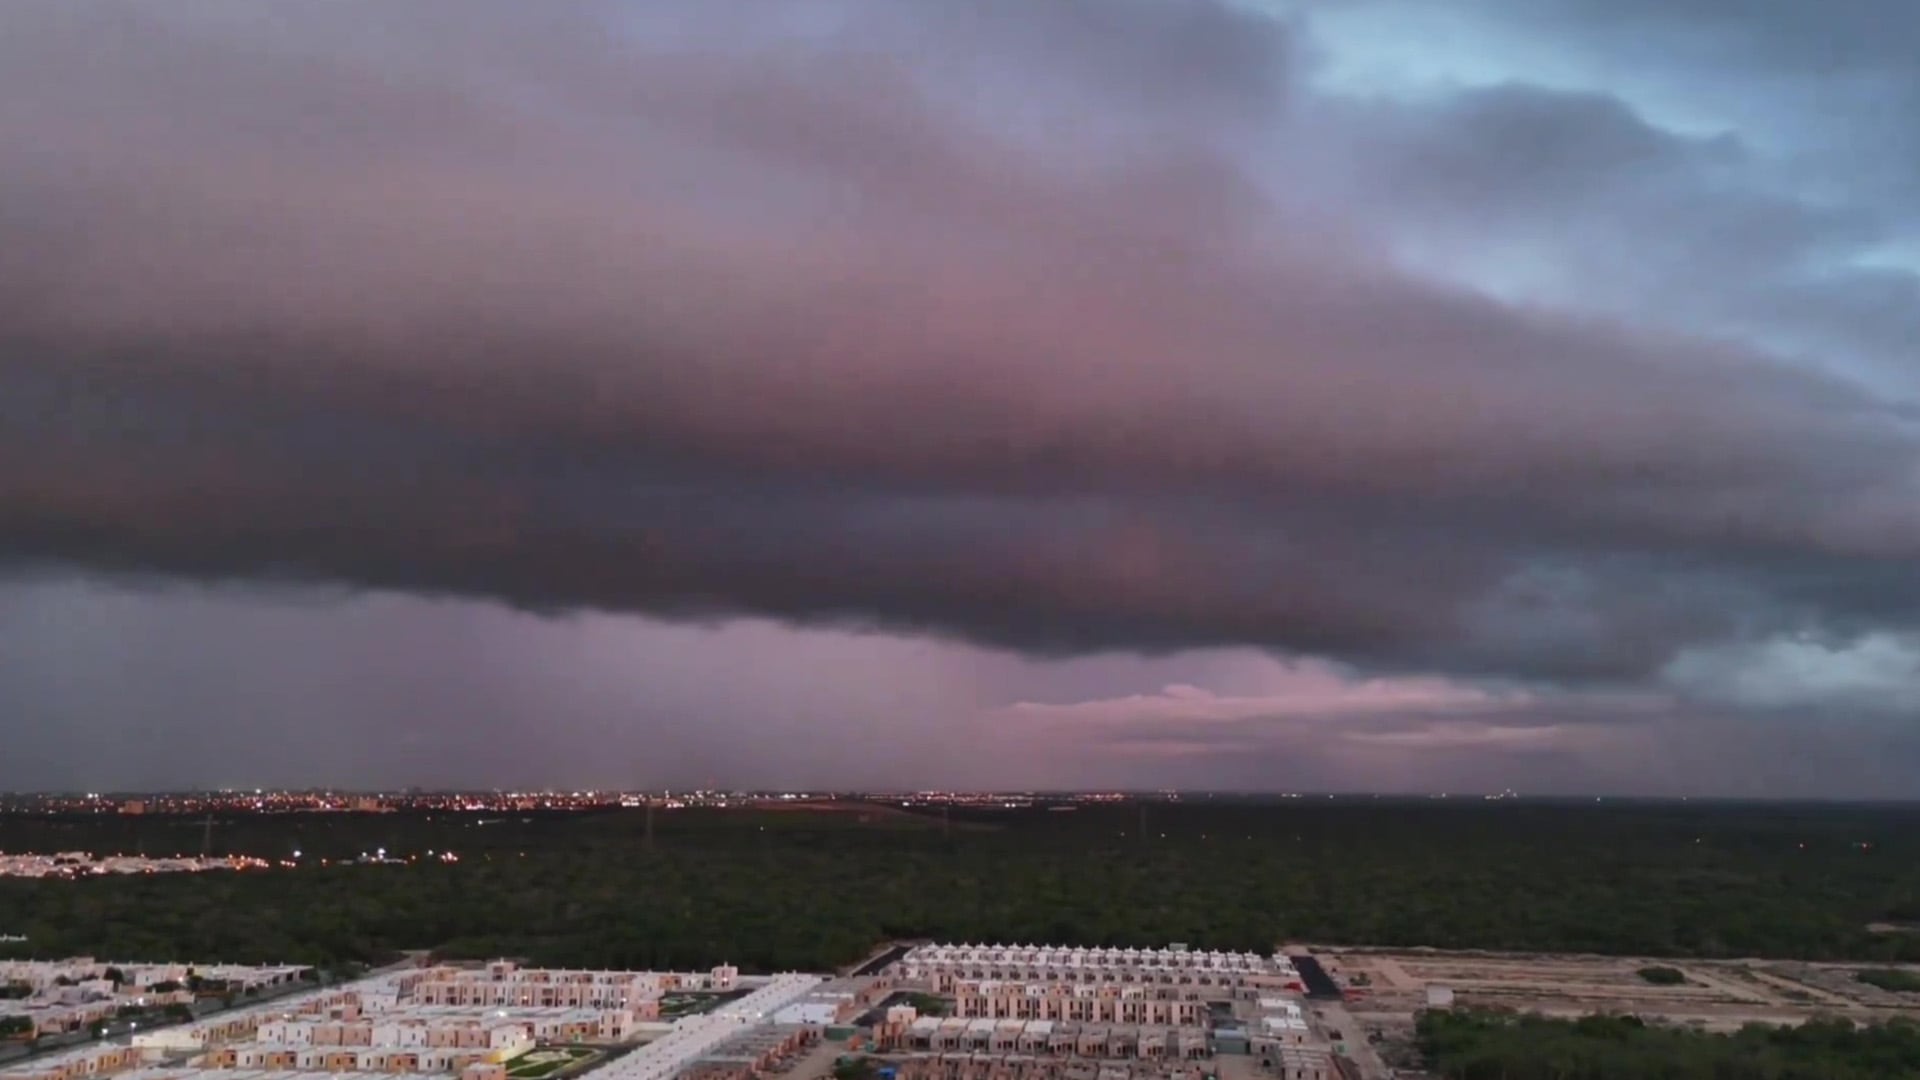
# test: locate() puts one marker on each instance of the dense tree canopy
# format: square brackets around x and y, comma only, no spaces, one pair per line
[817,890]
[1897,980]
[1471,1045]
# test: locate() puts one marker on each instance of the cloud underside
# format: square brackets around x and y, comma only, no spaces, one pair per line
[872,318]
[1317,708]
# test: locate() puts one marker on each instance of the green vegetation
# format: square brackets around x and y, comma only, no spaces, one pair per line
[1474,1045]
[773,891]
[1894,979]
[1663,976]
[854,1068]
[15,991]
[542,1063]
[928,1004]
[15,1027]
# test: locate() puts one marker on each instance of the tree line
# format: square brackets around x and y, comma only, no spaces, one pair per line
[1487,1045]
[774,891]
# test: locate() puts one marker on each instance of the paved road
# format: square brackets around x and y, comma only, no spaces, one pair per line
[881,959]
[1335,1017]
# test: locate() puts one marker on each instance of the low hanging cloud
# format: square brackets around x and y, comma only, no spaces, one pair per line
[1308,707]
[1007,322]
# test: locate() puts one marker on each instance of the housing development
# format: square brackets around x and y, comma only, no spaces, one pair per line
[932,1012]
[70,998]
[78,864]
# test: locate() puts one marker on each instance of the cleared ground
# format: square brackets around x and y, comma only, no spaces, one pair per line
[815,1064]
[1719,995]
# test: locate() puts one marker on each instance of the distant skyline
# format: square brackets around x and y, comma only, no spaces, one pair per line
[1372,395]
[193,802]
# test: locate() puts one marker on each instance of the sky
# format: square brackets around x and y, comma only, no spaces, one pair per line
[1358,395]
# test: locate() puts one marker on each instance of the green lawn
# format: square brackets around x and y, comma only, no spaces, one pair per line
[541,1063]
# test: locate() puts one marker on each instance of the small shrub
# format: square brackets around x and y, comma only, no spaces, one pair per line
[1894,979]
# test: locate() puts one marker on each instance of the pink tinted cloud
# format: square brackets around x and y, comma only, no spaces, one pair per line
[1304,690]
[1314,710]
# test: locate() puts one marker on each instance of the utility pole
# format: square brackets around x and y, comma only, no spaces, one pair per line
[206,838]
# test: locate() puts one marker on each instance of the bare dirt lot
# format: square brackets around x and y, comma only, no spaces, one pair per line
[1717,995]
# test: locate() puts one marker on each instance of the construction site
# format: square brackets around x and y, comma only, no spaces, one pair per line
[1383,989]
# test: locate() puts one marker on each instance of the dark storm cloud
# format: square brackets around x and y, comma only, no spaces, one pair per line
[1870,34]
[995,320]
[1634,219]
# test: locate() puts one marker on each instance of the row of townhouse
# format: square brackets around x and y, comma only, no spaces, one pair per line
[86,1062]
[1027,1067]
[458,1026]
[101,1060]
[392,991]
[1278,1024]
[751,1054]
[85,972]
[693,1037]
[1056,1001]
[722,977]
[463,1032]
[214,1030]
[1303,1063]
[57,1009]
[231,978]
[60,1017]
[71,995]
[548,1024]
[943,978]
[1173,959]
[154,1072]
[41,974]
[942,972]
[502,984]
[334,1059]
[240,1025]
[641,994]
[1057,1039]
[841,1001]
